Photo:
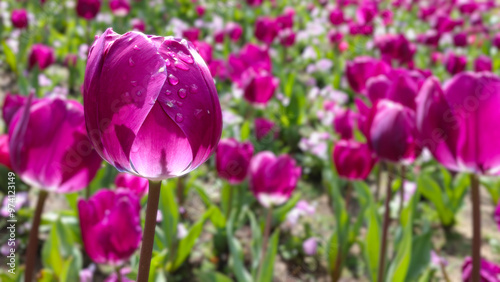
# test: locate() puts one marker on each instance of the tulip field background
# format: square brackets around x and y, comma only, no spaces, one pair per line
[360,140]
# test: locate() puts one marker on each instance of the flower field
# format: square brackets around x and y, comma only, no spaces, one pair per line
[250,141]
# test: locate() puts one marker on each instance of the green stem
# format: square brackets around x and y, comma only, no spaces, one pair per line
[385,228]
[229,202]
[476,228]
[265,238]
[31,253]
[402,189]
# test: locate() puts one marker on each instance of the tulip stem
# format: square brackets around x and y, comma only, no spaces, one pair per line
[402,188]
[265,238]
[476,228]
[229,202]
[33,239]
[385,228]
[377,183]
[149,231]
[118,274]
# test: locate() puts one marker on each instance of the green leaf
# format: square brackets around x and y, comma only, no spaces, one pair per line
[245,130]
[332,250]
[212,276]
[267,268]
[280,213]
[420,256]
[170,212]
[399,266]
[431,190]
[10,57]
[238,266]
[256,241]
[373,238]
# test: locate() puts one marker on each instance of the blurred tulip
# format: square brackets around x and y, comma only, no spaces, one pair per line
[263,127]
[285,20]
[387,17]
[359,70]
[489,271]
[88,9]
[205,50]
[353,160]
[496,215]
[310,246]
[483,63]
[191,34]
[436,58]
[266,29]
[343,46]
[135,184]
[287,37]
[455,63]
[260,88]
[460,39]
[336,17]
[41,55]
[4,151]
[496,40]
[70,60]
[218,69]
[430,38]
[110,223]
[49,147]
[392,134]
[19,18]
[232,160]
[163,119]
[344,122]
[200,10]
[11,105]
[119,8]
[124,274]
[250,57]
[254,3]
[458,122]
[138,25]
[272,178]
[395,47]
[234,31]
[335,36]
[366,12]
[468,7]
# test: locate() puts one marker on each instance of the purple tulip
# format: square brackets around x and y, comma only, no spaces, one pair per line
[455,63]
[200,10]
[137,185]
[88,9]
[336,17]
[205,50]
[483,63]
[11,106]
[263,127]
[191,34]
[489,271]
[260,87]
[218,69]
[287,37]
[285,20]
[119,8]
[391,130]
[395,47]
[366,12]
[49,147]
[42,56]
[234,31]
[496,215]
[444,23]
[496,40]
[460,39]
[254,3]
[110,223]
[310,246]
[359,70]
[138,24]
[458,123]
[387,17]
[344,122]
[163,119]
[335,36]
[272,178]
[353,160]
[4,151]
[233,159]
[19,18]
[430,38]
[468,8]
[250,57]
[266,29]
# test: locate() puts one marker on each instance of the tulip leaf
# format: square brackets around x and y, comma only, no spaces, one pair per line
[280,212]
[372,245]
[332,249]
[212,276]
[170,212]
[245,130]
[431,190]
[238,266]
[267,268]
[256,241]
[420,255]
[10,57]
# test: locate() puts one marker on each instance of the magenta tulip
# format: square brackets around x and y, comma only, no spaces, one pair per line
[359,70]
[285,20]
[458,123]
[344,122]
[272,178]
[49,147]
[353,160]
[119,8]
[234,31]
[19,18]
[496,215]
[395,47]
[254,3]
[260,88]
[489,271]
[265,128]
[204,50]
[163,118]
[430,38]
[88,9]
[455,63]
[137,185]
[287,37]
[138,24]
[42,56]
[232,160]
[110,223]
[336,17]
[266,29]
[4,151]
[460,39]
[483,63]
[191,34]
[11,106]
[200,10]
[496,40]
[391,130]
[250,57]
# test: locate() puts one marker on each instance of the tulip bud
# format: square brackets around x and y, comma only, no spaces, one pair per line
[110,223]
[391,130]
[483,63]
[138,25]
[233,159]
[260,87]
[272,178]
[42,56]
[359,70]
[263,127]
[88,9]
[310,246]
[336,17]
[119,8]
[353,160]
[135,184]
[163,118]
[200,10]
[266,29]
[19,18]
[4,151]
[458,123]
[488,271]
[49,147]
[455,64]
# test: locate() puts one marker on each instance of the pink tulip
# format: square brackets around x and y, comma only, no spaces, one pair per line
[353,160]
[135,184]
[460,39]
[254,3]
[19,18]
[233,159]
[483,63]
[489,271]
[49,147]
[119,8]
[250,57]
[234,31]
[42,56]
[344,122]
[4,151]
[266,29]
[272,178]
[395,47]
[11,106]
[264,128]
[200,10]
[336,17]
[287,37]
[191,34]
[218,69]
[260,87]
[111,225]
[88,9]
[455,63]
[310,246]
[163,119]
[138,25]
[359,70]
[285,20]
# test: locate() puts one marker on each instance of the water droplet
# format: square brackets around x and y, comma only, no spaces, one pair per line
[170,104]
[181,65]
[182,93]
[208,112]
[171,54]
[167,62]
[136,48]
[130,39]
[179,104]
[162,69]
[179,117]
[173,79]
[168,92]
[185,57]
[131,62]
[96,37]
[134,83]
[198,113]
[193,88]
[139,93]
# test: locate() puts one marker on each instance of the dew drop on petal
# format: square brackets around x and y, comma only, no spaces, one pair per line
[179,104]
[136,48]
[193,88]
[170,104]
[173,79]
[131,62]
[167,62]
[185,57]
[182,93]
[198,113]
[179,117]
[139,93]
[168,92]
[134,83]
[181,65]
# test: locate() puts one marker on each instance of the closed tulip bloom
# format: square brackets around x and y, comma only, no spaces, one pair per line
[260,88]
[88,9]
[110,223]
[200,10]
[344,122]
[359,70]
[335,36]
[138,24]
[455,63]
[191,34]
[119,8]
[489,271]
[42,56]
[336,17]
[4,151]
[266,29]
[460,39]
[273,178]
[483,63]
[353,160]
[392,134]
[163,118]
[458,122]
[137,185]
[19,18]
[49,146]
[265,127]
[232,160]
[430,38]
